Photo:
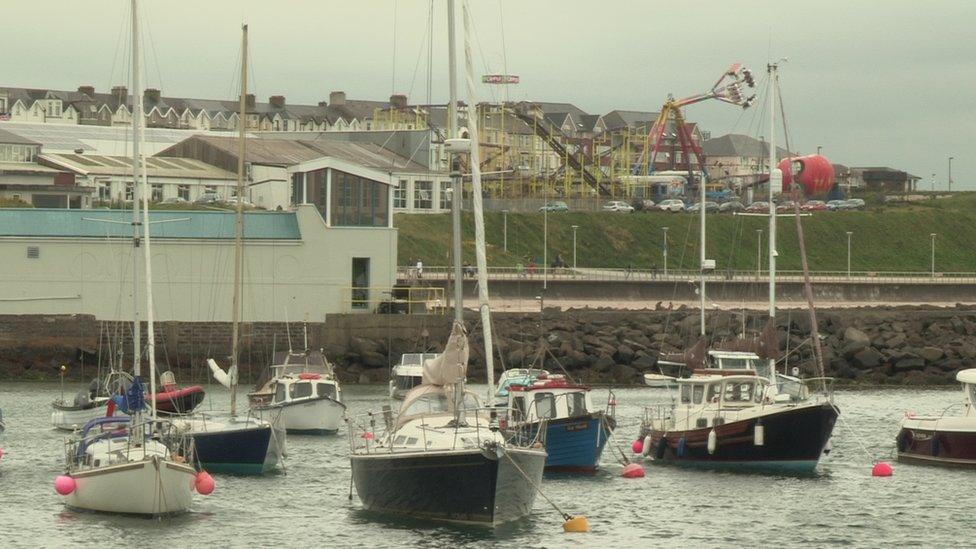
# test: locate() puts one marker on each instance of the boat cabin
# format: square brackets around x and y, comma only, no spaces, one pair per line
[409,372]
[968,379]
[304,386]
[518,376]
[722,391]
[735,361]
[549,397]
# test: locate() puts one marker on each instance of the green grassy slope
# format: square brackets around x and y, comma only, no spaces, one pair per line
[886,238]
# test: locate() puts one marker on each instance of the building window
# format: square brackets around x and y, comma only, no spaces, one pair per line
[297,196]
[157,193]
[183,191]
[358,202]
[423,195]
[446,193]
[105,192]
[33,252]
[400,195]
[128,192]
[210,189]
[360,283]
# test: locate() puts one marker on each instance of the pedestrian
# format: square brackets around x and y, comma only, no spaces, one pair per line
[420,269]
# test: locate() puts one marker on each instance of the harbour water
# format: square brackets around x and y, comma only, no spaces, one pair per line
[308,505]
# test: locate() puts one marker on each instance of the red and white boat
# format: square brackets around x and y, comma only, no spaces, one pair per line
[177,400]
[942,439]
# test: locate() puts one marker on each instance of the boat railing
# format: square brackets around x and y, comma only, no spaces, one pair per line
[161,430]
[815,386]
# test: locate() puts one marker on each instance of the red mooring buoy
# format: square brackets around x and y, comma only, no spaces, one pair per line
[633,470]
[882,469]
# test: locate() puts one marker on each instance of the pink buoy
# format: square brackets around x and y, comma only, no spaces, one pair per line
[368,435]
[882,469]
[1,453]
[64,485]
[633,470]
[205,483]
[637,446]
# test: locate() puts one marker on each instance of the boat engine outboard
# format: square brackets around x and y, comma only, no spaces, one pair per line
[82,398]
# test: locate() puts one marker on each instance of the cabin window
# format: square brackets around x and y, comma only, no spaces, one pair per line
[686,394]
[279,393]
[545,405]
[714,391]
[577,404]
[699,392]
[518,407]
[300,390]
[326,390]
[738,392]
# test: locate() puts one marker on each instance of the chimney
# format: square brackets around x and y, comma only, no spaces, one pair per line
[337,98]
[277,101]
[398,101]
[152,95]
[120,93]
[87,90]
[323,103]
[248,100]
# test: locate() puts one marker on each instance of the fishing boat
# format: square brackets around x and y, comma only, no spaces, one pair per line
[227,442]
[517,376]
[407,373]
[736,410]
[303,390]
[132,465]
[575,432]
[948,440]
[443,456]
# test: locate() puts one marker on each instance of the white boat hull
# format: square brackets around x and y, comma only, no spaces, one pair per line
[71,420]
[311,416]
[659,381]
[148,487]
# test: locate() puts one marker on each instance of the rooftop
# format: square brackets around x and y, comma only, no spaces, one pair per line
[93,164]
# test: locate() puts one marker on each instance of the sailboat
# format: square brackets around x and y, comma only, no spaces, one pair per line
[736,411]
[443,456]
[229,442]
[132,465]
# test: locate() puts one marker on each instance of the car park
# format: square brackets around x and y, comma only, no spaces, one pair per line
[557,206]
[854,203]
[758,207]
[835,205]
[785,207]
[209,197]
[618,206]
[671,205]
[732,206]
[814,206]
[710,207]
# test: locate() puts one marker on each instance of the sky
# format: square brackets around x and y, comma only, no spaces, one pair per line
[874,83]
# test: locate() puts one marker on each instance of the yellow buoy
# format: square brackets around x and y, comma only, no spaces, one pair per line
[576,524]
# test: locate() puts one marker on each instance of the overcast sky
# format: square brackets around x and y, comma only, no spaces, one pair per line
[873,82]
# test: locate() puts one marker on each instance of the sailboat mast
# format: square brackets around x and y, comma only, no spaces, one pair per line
[456,189]
[775,183]
[136,160]
[239,227]
[479,217]
[701,186]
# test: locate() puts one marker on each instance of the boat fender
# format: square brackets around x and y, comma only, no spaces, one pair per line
[646,446]
[681,447]
[637,446]
[204,483]
[662,446]
[903,439]
[64,484]
[935,445]
[759,434]
[712,441]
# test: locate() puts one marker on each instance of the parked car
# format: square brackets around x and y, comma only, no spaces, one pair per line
[710,207]
[557,206]
[232,201]
[209,197]
[814,206]
[758,207]
[732,206]
[854,203]
[785,207]
[175,200]
[671,205]
[836,205]
[648,204]
[617,206]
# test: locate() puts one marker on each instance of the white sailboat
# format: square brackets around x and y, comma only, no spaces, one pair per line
[122,464]
[228,442]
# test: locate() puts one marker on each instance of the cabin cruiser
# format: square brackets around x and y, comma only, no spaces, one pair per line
[303,390]
[942,439]
[443,456]
[408,373]
[738,420]
[575,432]
[517,376]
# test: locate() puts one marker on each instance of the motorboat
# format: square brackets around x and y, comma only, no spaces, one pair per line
[739,421]
[303,390]
[659,381]
[517,376]
[88,403]
[943,439]
[443,456]
[173,399]
[574,431]
[407,374]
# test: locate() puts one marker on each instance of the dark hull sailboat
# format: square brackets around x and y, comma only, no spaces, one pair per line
[472,486]
[792,440]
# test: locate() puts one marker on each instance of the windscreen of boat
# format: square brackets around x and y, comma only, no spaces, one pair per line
[326,390]
[279,392]
[301,389]
[577,404]
[432,400]
[739,393]
[545,405]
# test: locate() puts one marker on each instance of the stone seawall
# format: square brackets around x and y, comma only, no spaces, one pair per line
[904,345]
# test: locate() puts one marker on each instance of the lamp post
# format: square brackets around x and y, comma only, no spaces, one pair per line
[759,253]
[933,254]
[818,149]
[950,173]
[849,233]
[574,247]
[664,251]
[505,229]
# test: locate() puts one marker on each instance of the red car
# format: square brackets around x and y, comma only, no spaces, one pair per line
[785,207]
[758,207]
[814,206]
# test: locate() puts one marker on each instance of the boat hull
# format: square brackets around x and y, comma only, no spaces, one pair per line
[180,401]
[313,416]
[794,440]
[244,451]
[467,486]
[574,445]
[935,447]
[150,487]
[70,418]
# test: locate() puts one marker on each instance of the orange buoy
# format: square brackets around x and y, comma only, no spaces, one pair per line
[882,469]
[577,524]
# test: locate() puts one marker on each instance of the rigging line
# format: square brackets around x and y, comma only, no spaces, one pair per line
[152,43]
[782,114]
[420,55]
[430,52]
[396,5]
[119,45]
[501,32]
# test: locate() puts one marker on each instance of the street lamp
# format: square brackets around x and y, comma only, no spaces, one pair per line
[574,247]
[664,251]
[505,229]
[950,173]
[933,254]
[759,252]
[849,233]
